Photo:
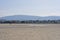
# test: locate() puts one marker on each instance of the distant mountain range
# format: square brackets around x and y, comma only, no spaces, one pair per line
[27,17]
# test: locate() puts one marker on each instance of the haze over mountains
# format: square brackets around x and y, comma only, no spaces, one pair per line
[28,17]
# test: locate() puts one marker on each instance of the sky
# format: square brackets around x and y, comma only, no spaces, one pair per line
[30,7]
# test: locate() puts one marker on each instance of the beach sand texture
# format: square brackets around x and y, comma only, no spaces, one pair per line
[29,31]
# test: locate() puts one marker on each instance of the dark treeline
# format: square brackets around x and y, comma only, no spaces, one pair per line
[32,21]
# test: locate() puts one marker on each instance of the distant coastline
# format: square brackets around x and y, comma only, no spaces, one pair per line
[30,22]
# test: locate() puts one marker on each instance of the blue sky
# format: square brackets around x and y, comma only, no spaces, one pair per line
[30,7]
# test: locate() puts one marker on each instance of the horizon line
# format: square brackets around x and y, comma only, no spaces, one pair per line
[32,15]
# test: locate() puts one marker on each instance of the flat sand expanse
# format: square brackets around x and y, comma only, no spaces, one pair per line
[29,31]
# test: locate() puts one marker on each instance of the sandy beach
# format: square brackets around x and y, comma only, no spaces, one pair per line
[29,31]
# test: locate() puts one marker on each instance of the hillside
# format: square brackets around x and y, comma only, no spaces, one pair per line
[27,17]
